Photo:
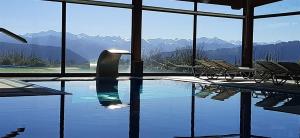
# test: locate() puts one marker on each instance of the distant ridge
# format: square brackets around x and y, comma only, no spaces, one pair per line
[90,47]
[46,53]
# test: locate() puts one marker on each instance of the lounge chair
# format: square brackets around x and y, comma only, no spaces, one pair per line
[231,71]
[225,93]
[292,106]
[196,70]
[293,70]
[210,69]
[265,70]
[271,100]
[278,72]
[206,91]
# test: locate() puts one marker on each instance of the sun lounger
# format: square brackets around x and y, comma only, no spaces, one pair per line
[271,100]
[225,93]
[293,70]
[266,70]
[206,91]
[210,69]
[278,72]
[292,106]
[231,71]
[196,70]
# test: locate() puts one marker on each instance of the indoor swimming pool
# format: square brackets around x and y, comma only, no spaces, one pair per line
[150,109]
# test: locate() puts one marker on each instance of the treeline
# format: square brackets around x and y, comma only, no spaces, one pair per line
[19,58]
[159,61]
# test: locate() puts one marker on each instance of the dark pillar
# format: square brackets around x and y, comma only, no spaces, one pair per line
[134,120]
[63,39]
[62,112]
[136,39]
[245,115]
[195,34]
[247,48]
[193,111]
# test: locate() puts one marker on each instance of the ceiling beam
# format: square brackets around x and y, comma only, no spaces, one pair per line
[264,2]
[235,4]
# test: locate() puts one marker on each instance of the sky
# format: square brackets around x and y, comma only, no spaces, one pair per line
[32,16]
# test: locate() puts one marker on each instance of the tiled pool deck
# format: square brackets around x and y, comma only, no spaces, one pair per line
[238,82]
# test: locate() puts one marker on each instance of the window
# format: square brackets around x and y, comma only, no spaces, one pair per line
[167,42]
[219,39]
[218,9]
[169,4]
[278,7]
[117,1]
[92,29]
[277,39]
[40,23]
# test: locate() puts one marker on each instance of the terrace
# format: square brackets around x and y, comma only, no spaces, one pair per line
[214,63]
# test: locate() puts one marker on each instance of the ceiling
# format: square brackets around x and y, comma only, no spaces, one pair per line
[235,4]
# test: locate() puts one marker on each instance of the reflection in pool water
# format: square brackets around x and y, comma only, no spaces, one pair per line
[152,108]
[107,93]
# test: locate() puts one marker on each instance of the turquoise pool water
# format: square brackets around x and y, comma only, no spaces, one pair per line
[150,109]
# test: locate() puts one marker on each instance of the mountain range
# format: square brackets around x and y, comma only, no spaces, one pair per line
[85,47]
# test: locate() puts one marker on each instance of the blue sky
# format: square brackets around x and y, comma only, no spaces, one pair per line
[33,16]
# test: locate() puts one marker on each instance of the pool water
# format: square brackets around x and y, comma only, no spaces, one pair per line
[150,109]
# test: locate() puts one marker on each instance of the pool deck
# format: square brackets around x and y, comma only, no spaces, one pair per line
[238,82]
[16,88]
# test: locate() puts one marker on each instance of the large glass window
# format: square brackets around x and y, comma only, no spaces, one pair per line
[40,23]
[219,39]
[218,9]
[117,1]
[277,39]
[278,7]
[92,29]
[167,42]
[169,4]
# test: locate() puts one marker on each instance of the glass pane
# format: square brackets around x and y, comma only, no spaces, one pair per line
[167,42]
[277,39]
[218,9]
[219,39]
[169,4]
[92,29]
[117,1]
[39,22]
[278,7]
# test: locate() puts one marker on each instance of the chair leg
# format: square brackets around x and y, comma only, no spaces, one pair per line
[259,77]
[297,81]
[277,81]
[247,75]
[229,76]
[211,76]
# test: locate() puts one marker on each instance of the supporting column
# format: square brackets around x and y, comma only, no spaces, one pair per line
[247,47]
[193,111]
[245,115]
[136,39]
[195,35]
[134,111]
[63,39]
[62,111]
